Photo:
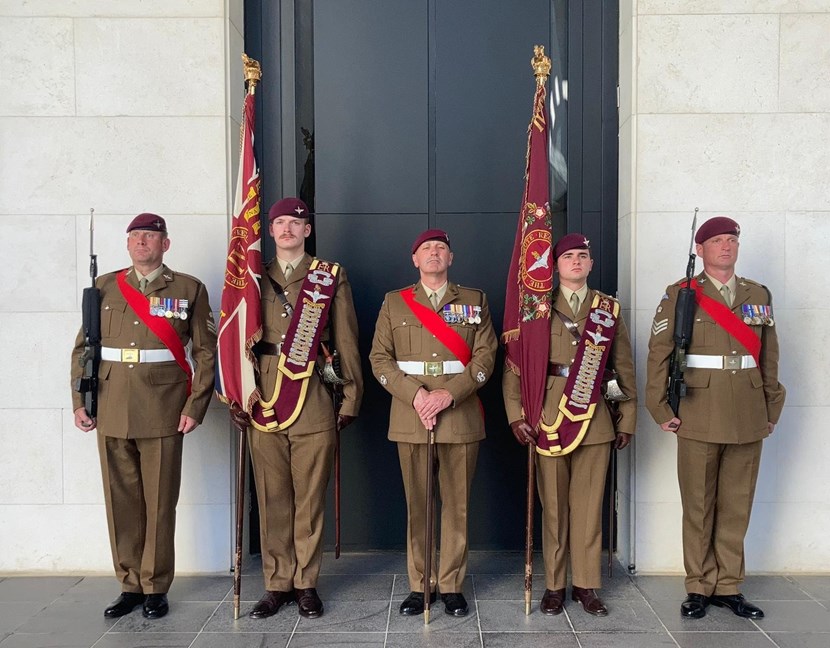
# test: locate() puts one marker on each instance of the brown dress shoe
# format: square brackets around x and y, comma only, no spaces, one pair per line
[270,603]
[309,603]
[553,601]
[591,603]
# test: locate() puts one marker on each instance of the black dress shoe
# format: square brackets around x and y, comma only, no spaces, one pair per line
[155,606]
[124,604]
[309,603]
[413,605]
[739,605]
[455,604]
[694,607]
[553,601]
[270,603]
[591,603]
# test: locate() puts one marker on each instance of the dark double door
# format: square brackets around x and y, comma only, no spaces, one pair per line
[419,111]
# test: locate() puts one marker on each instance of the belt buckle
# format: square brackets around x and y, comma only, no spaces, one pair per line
[129,355]
[434,368]
[732,362]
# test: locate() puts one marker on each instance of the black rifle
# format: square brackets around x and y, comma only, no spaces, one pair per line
[684,319]
[91,309]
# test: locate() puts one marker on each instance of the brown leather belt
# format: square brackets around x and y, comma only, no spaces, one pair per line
[266,348]
[556,369]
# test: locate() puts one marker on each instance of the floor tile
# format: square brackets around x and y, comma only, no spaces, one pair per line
[39,589]
[502,562]
[528,640]
[183,617]
[509,616]
[661,588]
[772,588]
[94,589]
[506,587]
[146,640]
[241,640]
[222,620]
[816,586]
[200,588]
[65,616]
[623,616]
[795,616]
[351,587]
[722,640]
[716,619]
[59,640]
[13,615]
[349,616]
[438,620]
[625,640]
[369,562]
[432,639]
[341,640]
[798,640]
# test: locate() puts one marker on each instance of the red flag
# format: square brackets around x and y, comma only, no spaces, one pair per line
[527,307]
[240,320]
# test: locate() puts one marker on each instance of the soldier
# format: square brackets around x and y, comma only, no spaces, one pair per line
[307,315]
[152,391]
[588,334]
[732,403]
[434,347]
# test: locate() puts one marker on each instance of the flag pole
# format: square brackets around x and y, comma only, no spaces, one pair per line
[253,74]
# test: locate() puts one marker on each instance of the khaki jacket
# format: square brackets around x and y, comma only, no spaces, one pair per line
[146,400]
[563,348]
[317,414]
[400,336]
[720,406]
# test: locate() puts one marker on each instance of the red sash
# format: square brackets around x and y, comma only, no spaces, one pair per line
[582,390]
[300,347]
[436,325]
[730,322]
[162,329]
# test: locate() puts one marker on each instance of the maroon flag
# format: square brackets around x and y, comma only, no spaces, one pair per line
[240,320]
[527,307]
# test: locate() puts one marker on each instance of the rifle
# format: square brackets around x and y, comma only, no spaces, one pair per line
[90,360]
[684,319]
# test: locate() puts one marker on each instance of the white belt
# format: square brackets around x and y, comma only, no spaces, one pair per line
[436,368]
[732,362]
[136,355]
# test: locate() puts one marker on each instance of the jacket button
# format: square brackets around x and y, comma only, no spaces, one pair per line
[136,322]
[434,355]
[131,366]
[573,343]
[734,372]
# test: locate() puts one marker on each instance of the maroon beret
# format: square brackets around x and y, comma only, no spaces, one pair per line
[430,235]
[147,221]
[288,207]
[574,241]
[715,226]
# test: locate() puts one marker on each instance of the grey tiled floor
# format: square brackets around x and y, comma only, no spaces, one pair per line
[362,592]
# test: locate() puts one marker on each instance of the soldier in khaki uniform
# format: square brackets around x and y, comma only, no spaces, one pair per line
[571,486]
[145,408]
[433,387]
[732,403]
[293,457]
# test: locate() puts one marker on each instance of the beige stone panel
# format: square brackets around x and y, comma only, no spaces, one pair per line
[628,11]
[40,250]
[44,539]
[116,164]
[625,265]
[110,243]
[199,247]
[658,540]
[113,8]
[730,6]
[236,14]
[35,348]
[236,81]
[206,461]
[661,254]
[203,538]
[81,466]
[805,63]
[627,166]
[807,237]
[656,464]
[788,537]
[802,454]
[37,70]
[805,356]
[720,63]
[30,443]
[140,66]
[733,163]
[628,72]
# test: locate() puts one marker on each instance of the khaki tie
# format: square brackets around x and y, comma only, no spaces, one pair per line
[727,294]
[575,303]
[433,298]
[142,285]
[288,270]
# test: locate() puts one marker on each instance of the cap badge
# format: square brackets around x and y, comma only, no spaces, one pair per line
[299,210]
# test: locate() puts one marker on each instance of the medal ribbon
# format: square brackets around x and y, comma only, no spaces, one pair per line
[436,325]
[162,329]
[730,322]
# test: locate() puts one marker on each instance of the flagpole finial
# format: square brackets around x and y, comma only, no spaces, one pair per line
[541,64]
[253,72]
